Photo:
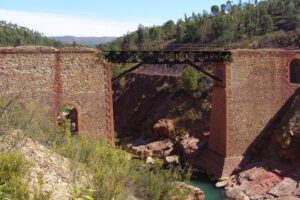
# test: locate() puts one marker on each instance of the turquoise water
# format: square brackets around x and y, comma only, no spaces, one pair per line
[208,187]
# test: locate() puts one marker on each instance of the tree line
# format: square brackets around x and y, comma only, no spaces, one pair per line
[270,22]
[14,35]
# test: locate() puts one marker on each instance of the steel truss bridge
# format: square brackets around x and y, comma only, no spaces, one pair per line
[196,59]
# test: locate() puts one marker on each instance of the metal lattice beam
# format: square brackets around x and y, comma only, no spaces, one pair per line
[167,57]
[126,72]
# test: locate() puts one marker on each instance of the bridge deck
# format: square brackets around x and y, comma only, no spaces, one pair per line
[167,57]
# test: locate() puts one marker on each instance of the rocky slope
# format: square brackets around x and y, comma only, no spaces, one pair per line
[50,173]
[155,118]
[151,94]
[54,177]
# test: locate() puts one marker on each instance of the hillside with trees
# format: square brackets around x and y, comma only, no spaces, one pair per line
[14,35]
[256,24]
[85,41]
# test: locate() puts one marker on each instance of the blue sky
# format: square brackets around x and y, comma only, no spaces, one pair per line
[97,17]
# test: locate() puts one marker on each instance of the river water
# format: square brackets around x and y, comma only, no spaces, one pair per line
[208,187]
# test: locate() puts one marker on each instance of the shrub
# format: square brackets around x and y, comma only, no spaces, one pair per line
[13,169]
[196,116]
[116,71]
[122,82]
[30,119]
[164,87]
[109,165]
[158,183]
[189,79]
[110,177]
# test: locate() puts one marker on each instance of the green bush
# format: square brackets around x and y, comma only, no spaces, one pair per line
[110,177]
[116,70]
[189,79]
[31,119]
[158,183]
[164,87]
[13,169]
[122,82]
[108,164]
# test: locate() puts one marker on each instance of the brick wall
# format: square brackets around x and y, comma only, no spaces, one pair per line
[53,77]
[259,88]
[255,87]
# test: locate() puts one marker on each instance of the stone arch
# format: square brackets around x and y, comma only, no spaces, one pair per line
[70,111]
[294,70]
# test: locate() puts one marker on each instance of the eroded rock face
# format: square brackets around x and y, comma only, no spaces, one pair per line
[266,181]
[55,172]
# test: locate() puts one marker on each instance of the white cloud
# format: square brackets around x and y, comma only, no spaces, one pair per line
[58,24]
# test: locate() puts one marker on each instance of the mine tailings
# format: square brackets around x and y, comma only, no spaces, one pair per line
[151,112]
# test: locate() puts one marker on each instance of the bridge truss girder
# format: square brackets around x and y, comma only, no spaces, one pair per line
[192,58]
[167,57]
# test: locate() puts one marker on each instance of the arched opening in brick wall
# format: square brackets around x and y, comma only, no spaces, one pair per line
[68,118]
[295,71]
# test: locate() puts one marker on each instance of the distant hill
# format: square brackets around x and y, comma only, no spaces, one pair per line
[15,35]
[88,41]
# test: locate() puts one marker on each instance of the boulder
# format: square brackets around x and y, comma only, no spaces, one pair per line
[287,187]
[161,148]
[189,145]
[222,183]
[164,128]
[145,148]
[150,160]
[171,160]
[258,181]
[194,192]
[206,134]
[235,194]
[139,150]
[264,181]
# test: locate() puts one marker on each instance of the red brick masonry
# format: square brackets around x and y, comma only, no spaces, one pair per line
[255,86]
[53,77]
